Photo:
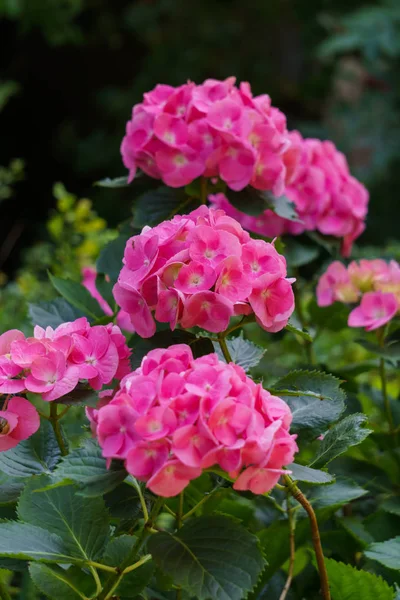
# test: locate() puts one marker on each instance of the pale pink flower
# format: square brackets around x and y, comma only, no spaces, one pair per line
[172,478]
[336,285]
[375,310]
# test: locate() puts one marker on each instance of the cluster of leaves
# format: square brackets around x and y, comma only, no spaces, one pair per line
[76,235]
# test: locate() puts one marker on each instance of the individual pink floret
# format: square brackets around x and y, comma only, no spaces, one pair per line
[375,310]
[18,422]
[176,416]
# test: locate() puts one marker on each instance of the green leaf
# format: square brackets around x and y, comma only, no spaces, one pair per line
[341,492]
[116,182]
[243,352]
[123,502]
[166,338]
[86,467]
[34,456]
[298,254]
[314,476]
[391,505]
[387,553]
[254,202]
[315,398]
[348,583]
[61,584]
[115,554]
[78,296]
[303,333]
[390,350]
[110,258]
[53,313]
[348,432]
[155,206]
[82,523]
[9,489]
[210,557]
[28,542]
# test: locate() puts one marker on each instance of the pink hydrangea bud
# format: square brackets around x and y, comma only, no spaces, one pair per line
[176,416]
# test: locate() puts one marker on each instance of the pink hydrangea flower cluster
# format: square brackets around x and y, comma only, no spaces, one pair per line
[89,282]
[200,270]
[327,198]
[54,361]
[175,416]
[375,282]
[215,129]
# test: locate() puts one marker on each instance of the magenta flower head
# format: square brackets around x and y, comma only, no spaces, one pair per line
[176,416]
[215,129]
[200,270]
[18,422]
[327,198]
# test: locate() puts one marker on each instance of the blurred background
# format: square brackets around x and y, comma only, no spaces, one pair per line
[70,71]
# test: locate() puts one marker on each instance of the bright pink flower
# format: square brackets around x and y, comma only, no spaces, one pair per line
[214,130]
[208,310]
[195,277]
[89,282]
[312,174]
[172,478]
[18,422]
[376,309]
[196,270]
[51,376]
[257,480]
[97,357]
[146,457]
[179,167]
[175,416]
[134,304]
[190,445]
[272,300]
[116,427]
[232,281]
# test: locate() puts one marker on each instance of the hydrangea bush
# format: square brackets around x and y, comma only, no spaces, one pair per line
[171,428]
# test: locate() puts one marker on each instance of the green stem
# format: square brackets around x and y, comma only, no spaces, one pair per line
[319,554]
[303,321]
[114,580]
[4,595]
[96,579]
[386,400]
[224,348]
[54,420]
[203,190]
[137,564]
[179,514]
[292,545]
[97,565]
